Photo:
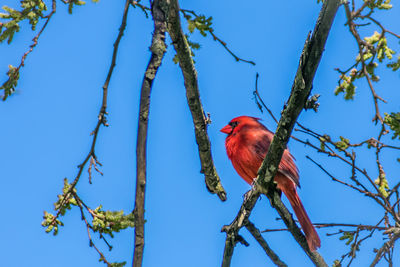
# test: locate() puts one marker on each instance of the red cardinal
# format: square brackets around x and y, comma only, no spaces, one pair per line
[247,144]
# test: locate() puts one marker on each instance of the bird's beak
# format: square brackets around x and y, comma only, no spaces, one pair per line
[227,129]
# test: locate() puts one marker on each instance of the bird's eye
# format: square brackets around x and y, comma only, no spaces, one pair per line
[233,124]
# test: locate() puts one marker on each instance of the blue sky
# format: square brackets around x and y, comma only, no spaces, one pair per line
[46,126]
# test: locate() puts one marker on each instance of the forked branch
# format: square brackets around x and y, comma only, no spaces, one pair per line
[301,89]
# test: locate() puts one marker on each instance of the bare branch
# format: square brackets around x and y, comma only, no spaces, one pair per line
[216,38]
[200,120]
[301,89]
[158,49]
[337,180]
[260,103]
[327,225]
[232,230]
[395,232]
[257,235]
[91,243]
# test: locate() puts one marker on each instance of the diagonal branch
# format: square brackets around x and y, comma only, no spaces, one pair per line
[301,89]
[14,76]
[102,120]
[200,120]
[395,232]
[158,49]
[257,235]
[185,12]
[232,230]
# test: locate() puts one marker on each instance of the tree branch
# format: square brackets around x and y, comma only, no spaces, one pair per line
[158,49]
[388,245]
[301,89]
[14,76]
[200,120]
[326,225]
[186,13]
[102,120]
[232,230]
[257,235]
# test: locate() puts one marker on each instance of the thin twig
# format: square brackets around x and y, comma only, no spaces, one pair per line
[258,99]
[365,192]
[360,43]
[386,247]
[232,230]
[257,235]
[328,225]
[88,229]
[32,46]
[102,113]
[216,38]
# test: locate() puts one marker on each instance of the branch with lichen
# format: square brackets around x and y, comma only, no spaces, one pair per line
[200,120]
[377,189]
[301,89]
[345,150]
[158,48]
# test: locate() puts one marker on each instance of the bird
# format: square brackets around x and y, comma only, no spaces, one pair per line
[247,144]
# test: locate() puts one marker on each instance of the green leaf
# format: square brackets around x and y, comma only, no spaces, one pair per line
[349,236]
[395,65]
[117,264]
[383,184]
[380,4]
[322,144]
[373,39]
[10,85]
[175,59]
[108,222]
[346,86]
[51,223]
[343,144]
[32,10]
[66,199]
[393,121]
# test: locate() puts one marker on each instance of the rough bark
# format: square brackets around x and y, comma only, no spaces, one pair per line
[157,48]
[301,89]
[200,120]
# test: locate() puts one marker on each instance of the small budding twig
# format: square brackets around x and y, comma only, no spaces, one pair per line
[15,72]
[216,38]
[101,121]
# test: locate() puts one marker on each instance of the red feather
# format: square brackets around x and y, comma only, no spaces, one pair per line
[247,144]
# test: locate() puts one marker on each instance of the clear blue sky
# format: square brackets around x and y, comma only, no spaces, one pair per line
[45,131]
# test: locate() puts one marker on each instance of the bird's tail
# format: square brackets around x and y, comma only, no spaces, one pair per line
[308,228]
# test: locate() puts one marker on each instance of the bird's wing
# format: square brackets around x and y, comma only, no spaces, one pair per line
[262,141]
